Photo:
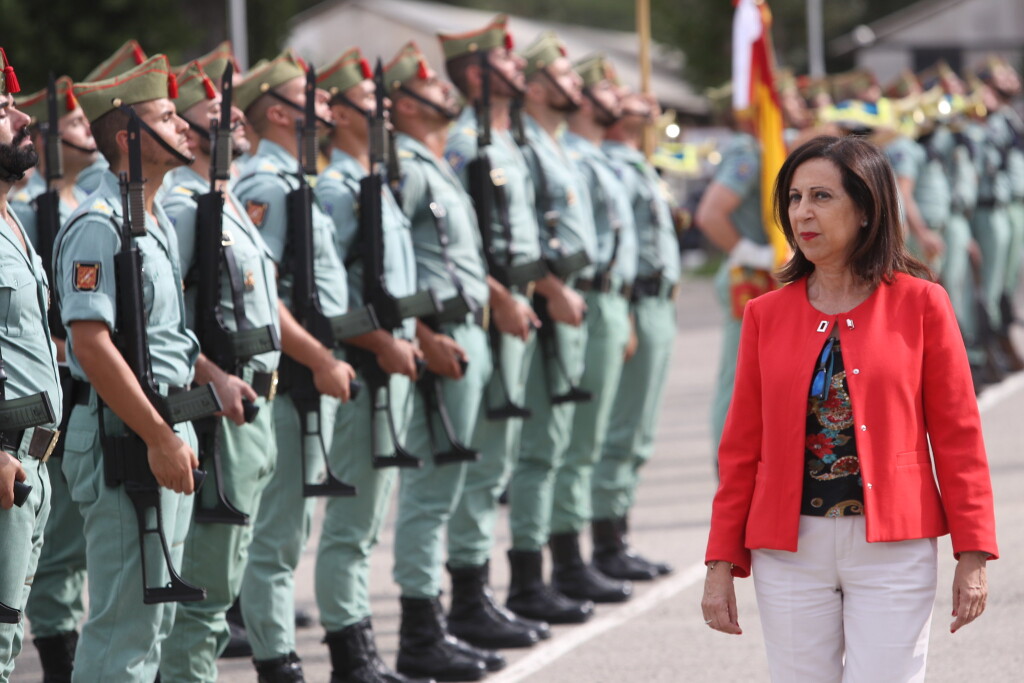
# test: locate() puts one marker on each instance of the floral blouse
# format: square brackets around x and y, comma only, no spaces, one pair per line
[833,486]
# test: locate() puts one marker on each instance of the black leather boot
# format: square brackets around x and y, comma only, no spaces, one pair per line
[57,656]
[662,568]
[574,577]
[285,669]
[354,657]
[426,649]
[477,619]
[530,597]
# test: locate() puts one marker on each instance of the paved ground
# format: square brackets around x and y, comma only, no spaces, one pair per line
[659,635]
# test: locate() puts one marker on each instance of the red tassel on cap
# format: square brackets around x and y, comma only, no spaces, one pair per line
[508,41]
[422,72]
[365,66]
[302,63]
[69,99]
[172,87]
[10,79]
[562,51]
[138,54]
[211,92]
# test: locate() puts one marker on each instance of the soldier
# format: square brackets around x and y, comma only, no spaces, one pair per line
[55,605]
[351,524]
[512,248]
[629,442]
[273,98]
[121,637]
[450,261]
[245,299]
[126,57]
[569,243]
[28,366]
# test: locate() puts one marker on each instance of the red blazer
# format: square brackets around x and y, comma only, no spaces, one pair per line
[910,384]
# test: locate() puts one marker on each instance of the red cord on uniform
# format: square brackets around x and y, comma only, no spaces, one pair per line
[10,79]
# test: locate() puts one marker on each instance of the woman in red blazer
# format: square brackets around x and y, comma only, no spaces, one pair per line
[845,377]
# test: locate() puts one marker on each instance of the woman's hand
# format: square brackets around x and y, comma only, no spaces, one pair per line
[970,589]
[719,601]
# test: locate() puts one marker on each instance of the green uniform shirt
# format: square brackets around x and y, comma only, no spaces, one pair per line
[963,175]
[508,164]
[657,244]
[426,179]
[20,202]
[993,181]
[263,188]
[740,171]
[567,194]
[183,186]
[29,356]
[89,180]
[85,276]
[612,209]
[933,192]
[337,191]
[1007,132]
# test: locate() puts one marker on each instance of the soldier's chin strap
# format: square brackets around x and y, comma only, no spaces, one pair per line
[186,160]
[610,118]
[343,99]
[516,90]
[446,113]
[79,148]
[284,100]
[571,106]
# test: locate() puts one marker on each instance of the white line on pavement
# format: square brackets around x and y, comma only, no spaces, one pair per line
[563,643]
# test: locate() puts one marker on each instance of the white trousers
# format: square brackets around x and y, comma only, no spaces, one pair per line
[839,597]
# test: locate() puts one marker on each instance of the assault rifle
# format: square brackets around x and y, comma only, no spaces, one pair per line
[48,203]
[125,457]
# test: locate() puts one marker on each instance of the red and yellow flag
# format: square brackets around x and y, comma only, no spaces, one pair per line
[754,96]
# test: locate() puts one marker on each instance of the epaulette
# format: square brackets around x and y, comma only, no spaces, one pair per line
[470,131]
[333,175]
[101,206]
[181,189]
[405,154]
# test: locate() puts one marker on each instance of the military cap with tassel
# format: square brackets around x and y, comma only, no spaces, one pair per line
[543,52]
[595,68]
[215,62]
[407,65]
[264,77]
[489,37]
[128,56]
[9,83]
[151,80]
[35,104]
[347,71]
[194,86]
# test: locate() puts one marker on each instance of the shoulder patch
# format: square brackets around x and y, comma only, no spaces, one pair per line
[455,159]
[87,276]
[744,170]
[257,211]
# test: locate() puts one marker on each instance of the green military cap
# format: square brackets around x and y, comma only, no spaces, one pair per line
[9,83]
[35,104]
[408,64]
[594,69]
[267,75]
[348,70]
[150,80]
[852,84]
[487,38]
[128,56]
[543,51]
[214,63]
[194,86]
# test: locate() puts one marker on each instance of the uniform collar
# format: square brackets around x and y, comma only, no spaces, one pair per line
[277,154]
[346,164]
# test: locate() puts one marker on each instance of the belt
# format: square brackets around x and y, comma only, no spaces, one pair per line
[263,383]
[605,283]
[990,203]
[656,286]
[38,442]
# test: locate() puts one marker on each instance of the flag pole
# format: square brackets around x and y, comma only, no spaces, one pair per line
[643,29]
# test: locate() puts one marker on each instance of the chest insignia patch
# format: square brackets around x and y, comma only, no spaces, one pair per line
[257,211]
[87,276]
[250,281]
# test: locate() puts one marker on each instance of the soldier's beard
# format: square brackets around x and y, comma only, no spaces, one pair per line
[15,159]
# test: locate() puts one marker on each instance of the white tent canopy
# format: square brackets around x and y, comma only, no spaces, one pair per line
[382,27]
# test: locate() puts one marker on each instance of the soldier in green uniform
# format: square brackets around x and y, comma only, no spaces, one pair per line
[216,552]
[352,524]
[55,605]
[126,57]
[569,243]
[513,253]
[29,366]
[450,261]
[629,442]
[121,637]
[272,97]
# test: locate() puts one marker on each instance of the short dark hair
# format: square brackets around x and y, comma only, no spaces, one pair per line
[880,250]
[105,130]
[457,67]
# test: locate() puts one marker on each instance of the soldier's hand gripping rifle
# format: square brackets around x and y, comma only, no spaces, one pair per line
[228,349]
[125,456]
[296,378]
[487,188]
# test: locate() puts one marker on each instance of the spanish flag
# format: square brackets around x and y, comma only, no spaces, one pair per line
[754,96]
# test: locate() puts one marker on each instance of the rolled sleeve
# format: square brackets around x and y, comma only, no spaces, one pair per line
[91,243]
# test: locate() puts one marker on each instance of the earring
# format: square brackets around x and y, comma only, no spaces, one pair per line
[864,223]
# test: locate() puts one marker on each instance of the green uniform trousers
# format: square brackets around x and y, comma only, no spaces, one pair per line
[607,336]
[993,234]
[122,637]
[955,271]
[1015,252]
[216,554]
[281,530]
[471,526]
[55,604]
[429,495]
[352,525]
[545,436]
[634,417]
[21,540]
[726,376]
